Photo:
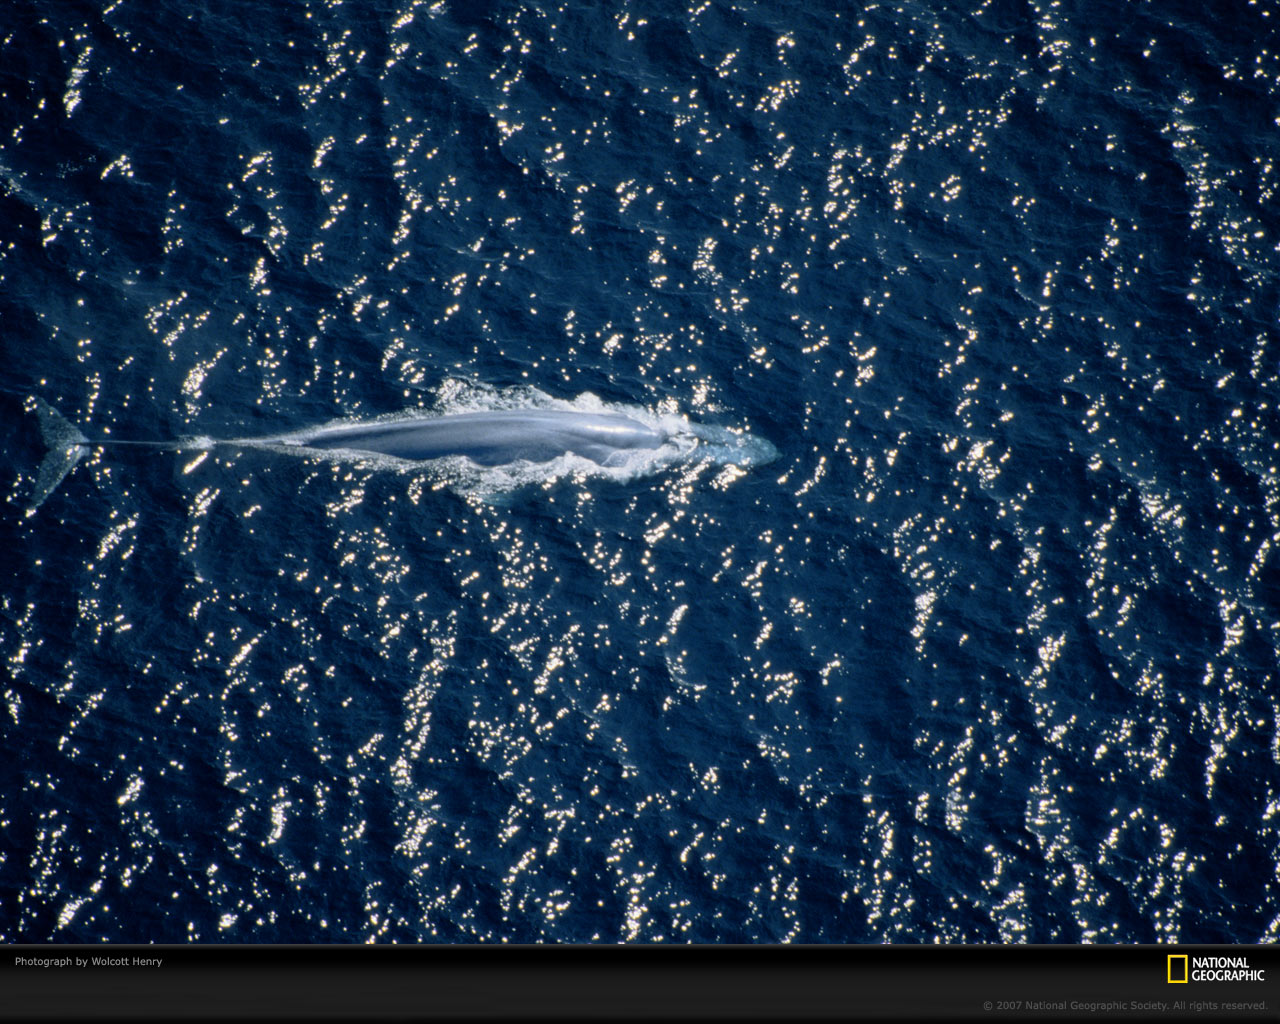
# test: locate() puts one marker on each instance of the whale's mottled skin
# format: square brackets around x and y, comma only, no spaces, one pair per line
[493,437]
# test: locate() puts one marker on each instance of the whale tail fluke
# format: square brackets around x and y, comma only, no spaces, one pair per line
[64,445]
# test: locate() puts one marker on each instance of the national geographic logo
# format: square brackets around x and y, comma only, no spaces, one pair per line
[1182,968]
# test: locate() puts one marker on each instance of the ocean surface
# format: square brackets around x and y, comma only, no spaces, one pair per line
[987,653]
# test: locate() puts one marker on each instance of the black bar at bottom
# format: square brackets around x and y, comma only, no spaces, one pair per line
[952,983]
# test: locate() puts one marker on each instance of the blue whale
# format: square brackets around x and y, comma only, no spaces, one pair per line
[493,437]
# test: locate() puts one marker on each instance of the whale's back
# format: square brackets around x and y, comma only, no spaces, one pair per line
[493,437]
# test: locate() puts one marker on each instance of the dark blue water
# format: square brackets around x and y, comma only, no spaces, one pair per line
[989,653]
